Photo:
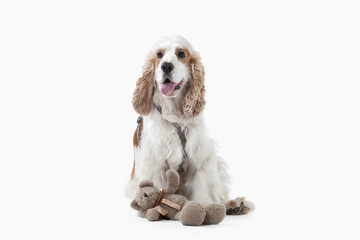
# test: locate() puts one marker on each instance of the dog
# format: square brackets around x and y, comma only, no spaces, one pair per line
[171,133]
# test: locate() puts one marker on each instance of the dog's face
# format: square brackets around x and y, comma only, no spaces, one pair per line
[171,67]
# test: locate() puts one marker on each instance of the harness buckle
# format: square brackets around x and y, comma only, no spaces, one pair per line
[139,119]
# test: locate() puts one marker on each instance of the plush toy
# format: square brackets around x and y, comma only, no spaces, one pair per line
[155,204]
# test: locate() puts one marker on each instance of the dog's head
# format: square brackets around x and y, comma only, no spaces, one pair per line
[172,67]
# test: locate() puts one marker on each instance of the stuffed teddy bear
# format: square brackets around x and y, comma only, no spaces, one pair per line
[155,204]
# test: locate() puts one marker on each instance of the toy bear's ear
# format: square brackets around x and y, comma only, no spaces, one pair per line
[146,183]
[135,206]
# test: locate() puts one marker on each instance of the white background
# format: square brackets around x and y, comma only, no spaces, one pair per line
[282,82]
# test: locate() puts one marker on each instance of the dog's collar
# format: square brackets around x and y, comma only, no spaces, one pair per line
[181,133]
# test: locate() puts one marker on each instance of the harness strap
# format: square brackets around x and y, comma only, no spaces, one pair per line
[138,128]
[181,133]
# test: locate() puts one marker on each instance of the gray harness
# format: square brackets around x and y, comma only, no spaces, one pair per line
[181,133]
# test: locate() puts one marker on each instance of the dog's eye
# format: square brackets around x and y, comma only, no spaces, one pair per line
[145,195]
[181,54]
[159,55]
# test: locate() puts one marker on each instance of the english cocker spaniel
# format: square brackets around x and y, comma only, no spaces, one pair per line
[171,133]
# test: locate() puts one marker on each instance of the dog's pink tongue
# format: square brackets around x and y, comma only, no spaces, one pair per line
[167,88]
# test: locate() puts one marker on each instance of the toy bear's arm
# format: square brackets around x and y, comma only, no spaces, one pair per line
[173,181]
[152,214]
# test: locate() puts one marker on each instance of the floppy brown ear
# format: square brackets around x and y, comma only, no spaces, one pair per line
[194,101]
[145,85]
[146,183]
[135,206]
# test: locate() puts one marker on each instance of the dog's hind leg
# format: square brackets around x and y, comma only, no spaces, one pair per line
[239,206]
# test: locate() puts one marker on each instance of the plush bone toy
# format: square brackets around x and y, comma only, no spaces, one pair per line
[153,204]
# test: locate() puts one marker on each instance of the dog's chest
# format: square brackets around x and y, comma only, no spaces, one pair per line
[164,143]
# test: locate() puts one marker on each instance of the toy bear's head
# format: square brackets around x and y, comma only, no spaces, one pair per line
[146,196]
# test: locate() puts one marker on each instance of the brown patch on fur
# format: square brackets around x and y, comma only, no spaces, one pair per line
[136,144]
[135,139]
[194,101]
[158,60]
[187,59]
[133,171]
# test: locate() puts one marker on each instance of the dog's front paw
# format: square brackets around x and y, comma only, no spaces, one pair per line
[239,206]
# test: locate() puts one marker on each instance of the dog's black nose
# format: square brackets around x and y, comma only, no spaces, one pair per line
[167,67]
